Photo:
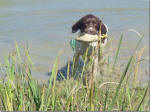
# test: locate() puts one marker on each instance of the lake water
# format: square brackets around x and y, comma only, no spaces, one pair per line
[45,25]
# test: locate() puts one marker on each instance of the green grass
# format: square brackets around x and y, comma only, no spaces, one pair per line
[20,91]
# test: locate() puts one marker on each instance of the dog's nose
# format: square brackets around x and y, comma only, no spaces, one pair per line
[91,29]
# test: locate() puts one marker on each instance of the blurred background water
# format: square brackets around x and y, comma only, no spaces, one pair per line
[45,25]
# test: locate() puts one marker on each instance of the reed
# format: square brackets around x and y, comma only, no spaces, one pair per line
[19,91]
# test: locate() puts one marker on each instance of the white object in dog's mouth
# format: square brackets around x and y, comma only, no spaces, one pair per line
[87,38]
[91,39]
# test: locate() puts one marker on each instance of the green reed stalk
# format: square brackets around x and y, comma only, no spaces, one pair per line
[118,49]
[142,99]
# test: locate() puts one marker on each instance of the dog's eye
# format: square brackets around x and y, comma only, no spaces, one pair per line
[86,23]
[94,22]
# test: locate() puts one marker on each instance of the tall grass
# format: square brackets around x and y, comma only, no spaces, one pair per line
[20,91]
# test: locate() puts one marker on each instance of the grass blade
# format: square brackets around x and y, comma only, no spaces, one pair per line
[142,99]
[117,53]
[106,97]
[121,80]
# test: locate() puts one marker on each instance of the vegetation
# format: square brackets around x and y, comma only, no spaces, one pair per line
[20,91]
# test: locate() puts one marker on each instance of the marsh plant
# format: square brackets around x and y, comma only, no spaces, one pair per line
[20,91]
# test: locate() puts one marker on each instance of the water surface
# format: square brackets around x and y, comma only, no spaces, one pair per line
[46,27]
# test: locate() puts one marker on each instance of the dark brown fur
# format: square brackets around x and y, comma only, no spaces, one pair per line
[89,24]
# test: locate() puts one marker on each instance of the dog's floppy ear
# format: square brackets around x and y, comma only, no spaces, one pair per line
[76,26]
[104,28]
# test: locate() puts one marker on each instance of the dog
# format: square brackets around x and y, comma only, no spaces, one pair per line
[91,25]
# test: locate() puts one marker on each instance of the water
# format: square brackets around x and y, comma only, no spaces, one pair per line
[46,27]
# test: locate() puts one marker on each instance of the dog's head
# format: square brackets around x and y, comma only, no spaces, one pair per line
[89,24]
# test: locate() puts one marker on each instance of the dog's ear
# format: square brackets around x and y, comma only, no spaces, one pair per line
[76,26]
[104,28]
